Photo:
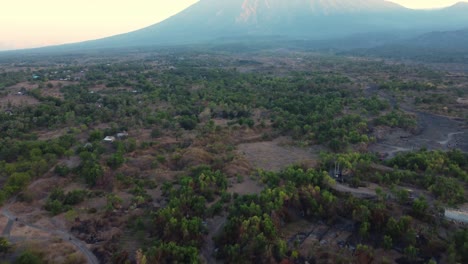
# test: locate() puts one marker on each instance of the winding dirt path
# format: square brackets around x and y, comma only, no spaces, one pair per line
[450,137]
[12,219]
[215,225]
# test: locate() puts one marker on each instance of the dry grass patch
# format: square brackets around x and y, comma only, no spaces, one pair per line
[239,166]
[245,186]
[15,100]
[194,157]
[276,155]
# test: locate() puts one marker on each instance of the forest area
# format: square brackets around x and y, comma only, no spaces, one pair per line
[166,157]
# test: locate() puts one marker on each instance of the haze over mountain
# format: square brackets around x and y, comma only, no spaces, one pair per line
[436,46]
[210,20]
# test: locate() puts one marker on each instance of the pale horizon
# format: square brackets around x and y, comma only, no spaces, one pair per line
[30,24]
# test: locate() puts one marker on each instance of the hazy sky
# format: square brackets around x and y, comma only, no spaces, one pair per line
[33,23]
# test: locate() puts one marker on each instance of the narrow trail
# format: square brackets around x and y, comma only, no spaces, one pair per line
[395,149]
[450,137]
[6,232]
[215,225]
[66,236]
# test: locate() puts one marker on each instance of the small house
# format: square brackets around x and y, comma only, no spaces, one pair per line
[123,134]
[109,139]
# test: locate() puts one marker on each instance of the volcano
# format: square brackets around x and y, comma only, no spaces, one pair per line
[212,20]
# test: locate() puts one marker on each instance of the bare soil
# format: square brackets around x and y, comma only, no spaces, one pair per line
[463,101]
[41,234]
[22,85]
[215,226]
[15,100]
[309,237]
[434,132]
[246,186]
[55,90]
[52,134]
[277,154]
[361,192]
[3,223]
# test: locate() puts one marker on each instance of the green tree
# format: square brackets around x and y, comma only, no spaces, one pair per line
[420,206]
[5,246]
[364,229]
[116,160]
[29,257]
[388,242]
[411,253]
[16,182]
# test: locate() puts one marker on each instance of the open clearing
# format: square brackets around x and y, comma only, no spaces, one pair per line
[435,132]
[17,100]
[277,154]
[58,245]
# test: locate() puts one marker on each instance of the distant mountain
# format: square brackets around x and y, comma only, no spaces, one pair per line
[212,20]
[436,46]
[446,40]
[258,10]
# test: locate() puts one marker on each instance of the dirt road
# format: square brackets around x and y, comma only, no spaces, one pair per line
[12,219]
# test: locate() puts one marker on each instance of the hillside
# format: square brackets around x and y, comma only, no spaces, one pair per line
[210,20]
[453,40]
[436,46]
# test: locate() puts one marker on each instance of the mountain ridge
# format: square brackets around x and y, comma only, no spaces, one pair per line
[251,7]
[208,20]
